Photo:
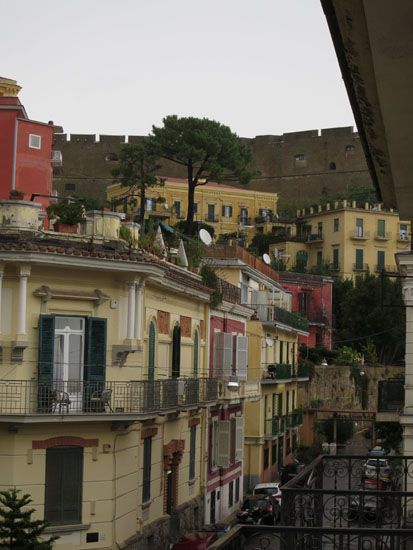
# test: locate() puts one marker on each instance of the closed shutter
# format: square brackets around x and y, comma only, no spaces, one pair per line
[359,258]
[380,259]
[223,351]
[151,352]
[280,404]
[46,349]
[224,443]
[176,352]
[95,349]
[196,353]
[63,487]
[241,356]
[239,438]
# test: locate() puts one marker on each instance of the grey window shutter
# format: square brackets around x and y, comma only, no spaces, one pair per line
[95,350]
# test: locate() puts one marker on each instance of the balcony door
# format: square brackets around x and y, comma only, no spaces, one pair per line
[68,359]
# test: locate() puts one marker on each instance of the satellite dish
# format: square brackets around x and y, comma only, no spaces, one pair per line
[276,252]
[165,205]
[266,258]
[205,237]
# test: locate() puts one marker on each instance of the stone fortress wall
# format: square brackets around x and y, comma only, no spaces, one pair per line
[300,166]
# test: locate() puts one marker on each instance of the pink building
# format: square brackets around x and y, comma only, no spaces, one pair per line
[312,298]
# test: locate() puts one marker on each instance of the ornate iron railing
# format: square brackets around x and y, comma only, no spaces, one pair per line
[339,503]
[29,397]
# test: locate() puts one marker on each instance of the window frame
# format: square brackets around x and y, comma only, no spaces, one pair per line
[336,225]
[58,455]
[36,137]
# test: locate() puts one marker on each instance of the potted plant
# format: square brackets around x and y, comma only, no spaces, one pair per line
[16,195]
[68,215]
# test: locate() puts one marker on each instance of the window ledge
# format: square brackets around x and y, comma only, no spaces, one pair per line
[67,528]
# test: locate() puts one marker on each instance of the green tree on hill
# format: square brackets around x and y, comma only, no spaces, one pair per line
[208,150]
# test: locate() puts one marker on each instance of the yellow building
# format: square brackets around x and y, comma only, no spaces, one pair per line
[227,209]
[104,383]
[271,423]
[350,237]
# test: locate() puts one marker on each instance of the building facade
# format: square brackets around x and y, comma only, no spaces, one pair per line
[272,422]
[105,384]
[347,237]
[227,209]
[26,157]
[312,297]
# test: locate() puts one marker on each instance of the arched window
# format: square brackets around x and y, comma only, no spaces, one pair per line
[151,351]
[176,352]
[196,353]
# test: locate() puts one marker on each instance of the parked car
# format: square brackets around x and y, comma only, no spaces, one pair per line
[377,468]
[259,510]
[201,540]
[377,451]
[272,489]
[365,507]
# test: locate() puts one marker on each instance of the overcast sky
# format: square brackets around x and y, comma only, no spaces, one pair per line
[119,66]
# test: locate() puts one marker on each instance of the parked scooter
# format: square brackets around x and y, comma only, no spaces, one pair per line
[259,510]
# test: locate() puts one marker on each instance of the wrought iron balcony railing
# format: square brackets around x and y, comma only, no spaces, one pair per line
[29,397]
[338,503]
[294,419]
[303,372]
[277,373]
[271,427]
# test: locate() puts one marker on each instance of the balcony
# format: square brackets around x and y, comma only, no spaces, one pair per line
[404,237]
[294,419]
[360,267]
[211,218]
[386,268]
[280,373]
[245,220]
[382,236]
[334,267]
[332,505]
[315,237]
[33,401]
[359,235]
[234,389]
[229,292]
[294,320]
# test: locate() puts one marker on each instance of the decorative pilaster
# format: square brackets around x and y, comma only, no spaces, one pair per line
[21,320]
[131,311]
[138,311]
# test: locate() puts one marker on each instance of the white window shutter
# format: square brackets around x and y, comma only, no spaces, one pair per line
[224,443]
[223,351]
[218,355]
[241,343]
[239,438]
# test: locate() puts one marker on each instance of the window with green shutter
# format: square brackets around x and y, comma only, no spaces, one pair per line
[381,228]
[95,349]
[147,464]
[176,352]
[63,485]
[196,353]
[359,258]
[151,351]
[46,348]
[380,259]
[280,404]
[192,452]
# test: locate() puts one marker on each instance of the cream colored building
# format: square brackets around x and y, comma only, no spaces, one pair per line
[272,422]
[104,383]
[350,237]
[227,209]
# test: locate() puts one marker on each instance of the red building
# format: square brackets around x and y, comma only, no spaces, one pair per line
[312,298]
[25,152]
[228,362]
